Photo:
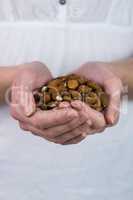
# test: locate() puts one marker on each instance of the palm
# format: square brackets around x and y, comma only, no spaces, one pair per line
[100,73]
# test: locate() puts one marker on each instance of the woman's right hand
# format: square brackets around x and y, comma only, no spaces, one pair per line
[56,125]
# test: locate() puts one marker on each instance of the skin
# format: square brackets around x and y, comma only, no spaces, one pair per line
[7,74]
[70,123]
[55,125]
[66,125]
[112,84]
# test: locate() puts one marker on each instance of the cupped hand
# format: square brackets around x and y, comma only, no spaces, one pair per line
[54,125]
[100,73]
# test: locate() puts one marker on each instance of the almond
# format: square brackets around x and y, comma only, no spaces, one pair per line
[72,84]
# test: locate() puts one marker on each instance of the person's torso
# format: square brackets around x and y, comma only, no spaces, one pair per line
[65,36]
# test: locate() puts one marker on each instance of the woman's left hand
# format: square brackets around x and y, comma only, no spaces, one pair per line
[100,73]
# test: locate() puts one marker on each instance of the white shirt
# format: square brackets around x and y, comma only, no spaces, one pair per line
[63,37]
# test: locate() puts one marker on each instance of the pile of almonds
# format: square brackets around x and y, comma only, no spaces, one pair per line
[69,88]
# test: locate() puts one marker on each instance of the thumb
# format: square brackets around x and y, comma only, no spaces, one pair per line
[27,102]
[23,100]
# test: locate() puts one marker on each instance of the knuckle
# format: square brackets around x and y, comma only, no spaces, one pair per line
[68,114]
[85,114]
[80,120]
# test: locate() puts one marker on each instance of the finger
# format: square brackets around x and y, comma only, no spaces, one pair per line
[51,134]
[23,100]
[69,126]
[51,118]
[60,130]
[17,113]
[46,119]
[29,104]
[95,117]
[83,129]
[81,137]
[69,138]
[41,134]
[113,110]
[113,88]
[64,105]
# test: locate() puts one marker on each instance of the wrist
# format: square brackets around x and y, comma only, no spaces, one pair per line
[114,67]
[124,70]
[117,69]
[8,74]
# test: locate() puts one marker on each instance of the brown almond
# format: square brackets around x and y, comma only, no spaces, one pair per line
[54,83]
[82,81]
[75,95]
[53,92]
[90,100]
[65,93]
[72,84]
[83,89]
[46,98]
[62,88]
[94,86]
[68,88]
[67,98]
[104,100]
